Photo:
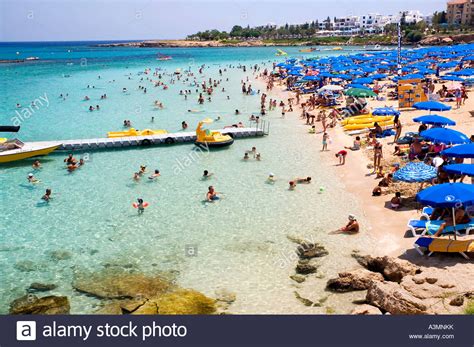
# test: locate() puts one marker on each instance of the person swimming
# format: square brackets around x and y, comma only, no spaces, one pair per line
[271,178]
[211,194]
[36,165]
[246,156]
[155,175]
[142,170]
[258,156]
[70,160]
[207,174]
[47,196]
[140,206]
[292,185]
[306,180]
[32,179]
[136,176]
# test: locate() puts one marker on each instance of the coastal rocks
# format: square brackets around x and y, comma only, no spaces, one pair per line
[40,287]
[366,310]
[120,285]
[457,300]
[31,304]
[390,297]
[359,279]
[149,307]
[298,278]
[393,269]
[185,301]
[224,299]
[311,250]
[305,268]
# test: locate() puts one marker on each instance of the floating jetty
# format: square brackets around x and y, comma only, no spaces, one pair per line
[151,140]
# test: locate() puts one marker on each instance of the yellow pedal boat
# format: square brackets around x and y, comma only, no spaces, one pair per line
[134,132]
[208,138]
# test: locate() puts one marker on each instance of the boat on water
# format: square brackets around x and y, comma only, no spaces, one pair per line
[14,149]
[211,139]
[134,132]
[308,50]
[163,57]
[280,52]
[32,58]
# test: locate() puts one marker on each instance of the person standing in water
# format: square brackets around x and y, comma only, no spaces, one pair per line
[140,206]
[211,194]
[47,196]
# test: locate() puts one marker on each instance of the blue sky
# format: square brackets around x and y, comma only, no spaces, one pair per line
[67,20]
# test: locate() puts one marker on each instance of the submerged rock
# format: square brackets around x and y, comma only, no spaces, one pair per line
[185,301]
[31,304]
[120,285]
[60,255]
[390,297]
[311,250]
[298,278]
[41,287]
[26,266]
[365,310]
[359,279]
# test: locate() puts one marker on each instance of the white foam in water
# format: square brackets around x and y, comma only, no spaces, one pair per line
[240,240]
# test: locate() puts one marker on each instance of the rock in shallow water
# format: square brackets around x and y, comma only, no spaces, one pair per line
[305,268]
[120,285]
[41,287]
[359,279]
[31,304]
[365,310]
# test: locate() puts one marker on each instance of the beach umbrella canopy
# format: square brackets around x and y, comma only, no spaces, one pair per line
[444,135]
[431,106]
[360,93]
[385,111]
[434,119]
[355,85]
[452,78]
[415,172]
[460,169]
[363,80]
[311,78]
[447,195]
[379,76]
[331,87]
[461,151]
[411,77]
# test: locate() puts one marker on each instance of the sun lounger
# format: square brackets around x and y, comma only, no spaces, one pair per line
[430,227]
[433,226]
[426,212]
[415,225]
[444,245]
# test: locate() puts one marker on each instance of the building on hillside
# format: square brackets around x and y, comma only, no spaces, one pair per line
[460,12]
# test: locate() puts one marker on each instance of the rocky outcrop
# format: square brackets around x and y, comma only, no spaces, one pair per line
[393,269]
[359,279]
[31,304]
[185,301]
[391,297]
[447,40]
[120,285]
[305,268]
[366,310]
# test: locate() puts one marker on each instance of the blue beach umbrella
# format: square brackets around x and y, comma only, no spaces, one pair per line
[434,119]
[452,78]
[355,85]
[431,106]
[378,76]
[461,151]
[363,80]
[385,111]
[415,172]
[444,135]
[460,169]
[311,78]
[447,195]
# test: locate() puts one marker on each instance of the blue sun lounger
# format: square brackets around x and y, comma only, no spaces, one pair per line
[430,227]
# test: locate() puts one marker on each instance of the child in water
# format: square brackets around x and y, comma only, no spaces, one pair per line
[140,206]
[47,196]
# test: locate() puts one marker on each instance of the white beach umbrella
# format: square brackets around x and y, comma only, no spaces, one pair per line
[332,88]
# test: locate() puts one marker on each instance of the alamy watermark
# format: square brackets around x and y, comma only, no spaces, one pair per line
[25,113]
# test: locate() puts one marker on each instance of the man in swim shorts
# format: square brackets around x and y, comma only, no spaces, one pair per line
[211,194]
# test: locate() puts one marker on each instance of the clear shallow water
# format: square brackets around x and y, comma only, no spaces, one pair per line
[241,240]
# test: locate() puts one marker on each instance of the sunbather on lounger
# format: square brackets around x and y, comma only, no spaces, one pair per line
[460,217]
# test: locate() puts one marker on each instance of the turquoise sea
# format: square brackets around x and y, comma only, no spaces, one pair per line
[240,242]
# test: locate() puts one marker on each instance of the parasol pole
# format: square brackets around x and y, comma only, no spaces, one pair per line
[454,224]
